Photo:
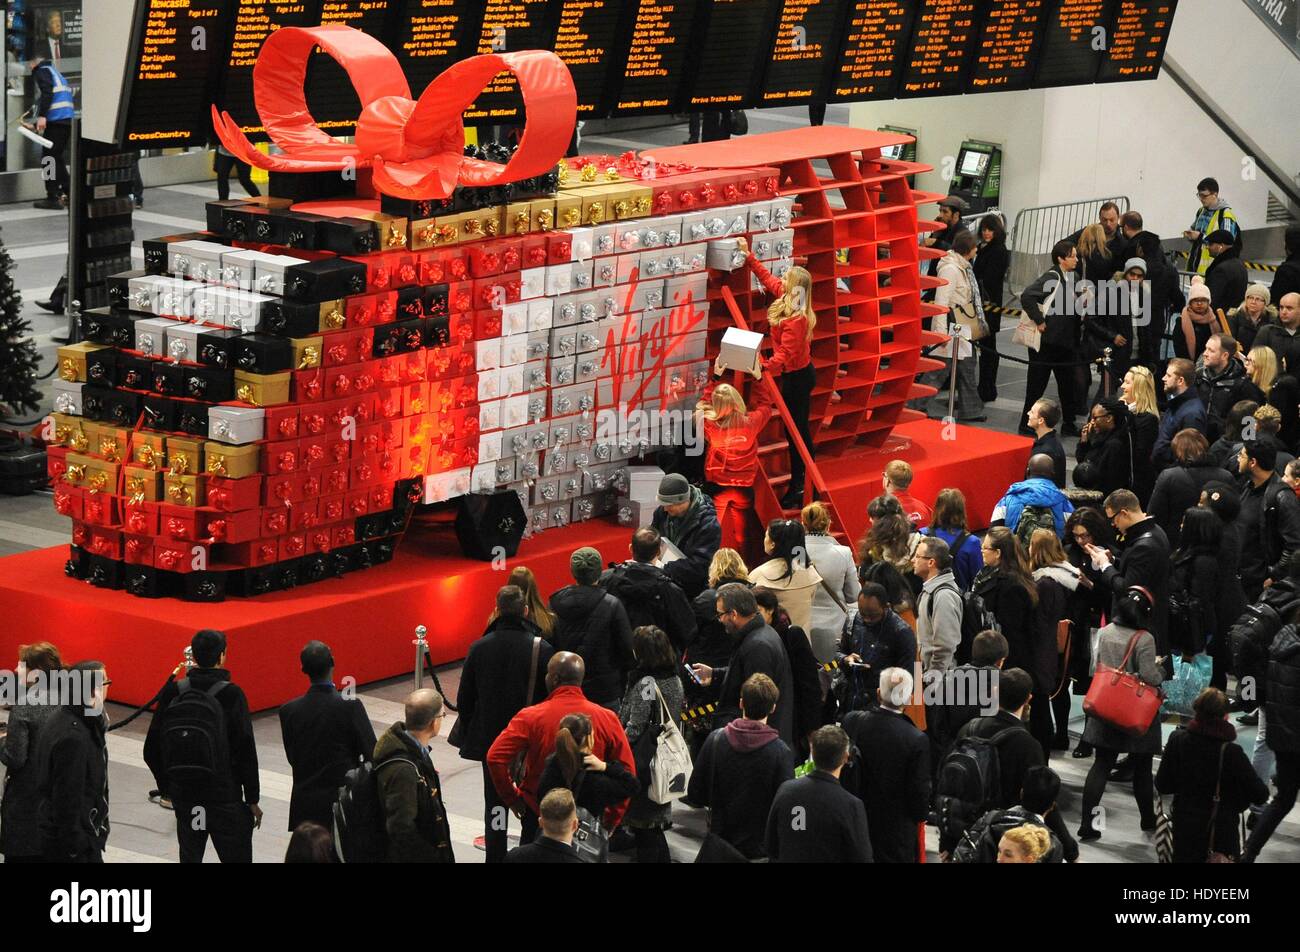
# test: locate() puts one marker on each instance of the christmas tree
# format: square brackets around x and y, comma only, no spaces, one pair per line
[18,357]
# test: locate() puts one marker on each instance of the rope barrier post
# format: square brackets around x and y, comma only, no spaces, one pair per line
[421,649]
[1105,372]
[954,343]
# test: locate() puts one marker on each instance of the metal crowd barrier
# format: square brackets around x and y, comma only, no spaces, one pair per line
[1037,229]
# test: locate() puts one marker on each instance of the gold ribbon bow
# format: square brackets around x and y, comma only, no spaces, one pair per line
[335,319]
[108,448]
[396,236]
[79,441]
[643,205]
[179,465]
[522,221]
[68,369]
[217,464]
[621,209]
[144,454]
[474,226]
[180,494]
[310,358]
[98,481]
[572,217]
[589,172]
[426,234]
[492,227]
[245,394]
[562,172]
[135,486]
[75,474]
[595,214]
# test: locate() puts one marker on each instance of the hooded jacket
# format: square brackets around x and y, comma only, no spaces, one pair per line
[698,535]
[593,625]
[736,775]
[1037,491]
[650,597]
[415,819]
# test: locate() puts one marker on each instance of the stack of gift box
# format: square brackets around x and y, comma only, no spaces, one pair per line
[265,402]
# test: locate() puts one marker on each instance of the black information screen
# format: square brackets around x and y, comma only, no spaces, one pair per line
[1008,45]
[806,42]
[330,97]
[432,35]
[656,56]
[876,38]
[169,89]
[726,71]
[942,45]
[1073,43]
[586,34]
[509,25]
[1137,42]
[254,21]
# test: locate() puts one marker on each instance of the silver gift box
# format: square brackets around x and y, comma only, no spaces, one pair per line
[183,341]
[564,311]
[563,372]
[196,260]
[67,396]
[269,277]
[564,343]
[151,335]
[236,425]
[546,491]
[239,268]
[229,307]
[580,398]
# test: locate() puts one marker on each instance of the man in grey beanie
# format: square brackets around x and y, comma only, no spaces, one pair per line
[593,624]
[686,518]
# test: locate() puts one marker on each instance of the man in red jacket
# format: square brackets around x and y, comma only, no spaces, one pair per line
[532,733]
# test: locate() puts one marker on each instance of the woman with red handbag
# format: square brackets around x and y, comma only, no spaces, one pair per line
[1124,647]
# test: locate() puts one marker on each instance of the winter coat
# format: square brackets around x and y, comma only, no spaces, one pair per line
[650,597]
[991,265]
[698,535]
[759,649]
[494,682]
[834,563]
[1284,344]
[72,763]
[1017,618]
[639,712]
[1270,522]
[1243,329]
[794,592]
[961,293]
[1112,643]
[892,777]
[713,645]
[834,827]
[890,643]
[1032,492]
[1287,279]
[1227,279]
[1282,692]
[1218,391]
[596,791]
[593,624]
[1044,302]
[967,559]
[415,819]
[805,676]
[1143,429]
[1190,772]
[325,735]
[1178,489]
[1016,754]
[1196,573]
[1182,412]
[981,840]
[736,776]
[1107,461]
[20,832]
[1144,560]
[1058,586]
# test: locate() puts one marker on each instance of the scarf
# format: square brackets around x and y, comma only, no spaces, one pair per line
[1063,573]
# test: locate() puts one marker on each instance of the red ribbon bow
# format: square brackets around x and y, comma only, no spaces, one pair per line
[415,148]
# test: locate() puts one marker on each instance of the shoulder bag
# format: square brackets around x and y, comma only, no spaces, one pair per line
[1122,699]
[1211,854]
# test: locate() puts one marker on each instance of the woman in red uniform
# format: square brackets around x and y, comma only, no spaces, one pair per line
[791,322]
[731,458]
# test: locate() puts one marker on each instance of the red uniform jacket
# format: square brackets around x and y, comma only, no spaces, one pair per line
[790,344]
[533,730]
[731,453]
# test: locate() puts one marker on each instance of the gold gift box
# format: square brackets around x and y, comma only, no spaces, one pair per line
[143,483]
[629,201]
[306,352]
[483,223]
[393,231]
[568,210]
[262,390]
[109,442]
[149,450]
[270,201]
[594,207]
[543,214]
[72,360]
[184,455]
[90,473]
[184,490]
[70,431]
[231,462]
[519,218]
[435,232]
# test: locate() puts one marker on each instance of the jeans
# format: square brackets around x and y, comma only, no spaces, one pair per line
[1262,757]
[969,404]
[1288,785]
[796,391]
[1103,762]
[230,825]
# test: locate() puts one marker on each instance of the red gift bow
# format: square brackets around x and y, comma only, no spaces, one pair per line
[416,148]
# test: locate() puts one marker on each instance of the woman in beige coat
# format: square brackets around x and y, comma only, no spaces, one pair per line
[789,571]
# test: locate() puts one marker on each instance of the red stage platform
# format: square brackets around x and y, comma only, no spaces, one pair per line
[369,617]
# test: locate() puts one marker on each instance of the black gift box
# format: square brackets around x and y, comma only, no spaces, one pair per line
[134,373]
[262,354]
[204,587]
[215,347]
[102,572]
[145,581]
[121,407]
[434,297]
[437,331]
[119,287]
[347,236]
[192,418]
[301,230]
[410,304]
[250,582]
[210,384]
[290,318]
[324,280]
[216,212]
[311,186]
[314,568]
[78,562]
[159,412]
[372,527]
[168,379]
[407,493]
[94,402]
[104,325]
[155,249]
[101,367]
[415,209]
[398,338]
[253,223]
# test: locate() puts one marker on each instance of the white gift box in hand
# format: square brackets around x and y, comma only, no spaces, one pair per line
[739,350]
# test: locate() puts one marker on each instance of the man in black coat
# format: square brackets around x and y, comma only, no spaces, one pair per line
[988,653]
[1284,336]
[1226,276]
[1144,560]
[758,650]
[892,773]
[686,518]
[1044,416]
[593,625]
[649,596]
[72,762]
[494,687]
[1217,382]
[1018,751]
[325,735]
[1282,718]
[1270,520]
[1287,279]
[1049,304]
[224,808]
[813,818]
[554,844]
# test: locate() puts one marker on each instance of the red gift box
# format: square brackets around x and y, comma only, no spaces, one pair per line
[251,554]
[141,518]
[460,297]
[305,514]
[308,385]
[379,269]
[281,422]
[293,546]
[559,247]
[56,461]
[103,542]
[332,508]
[431,266]
[388,403]
[137,549]
[533,251]
[512,254]
[485,259]
[182,522]
[411,367]
[281,457]
[320,539]
[313,451]
[67,499]
[406,268]
[101,509]
[278,490]
[388,370]
[460,329]
[233,527]
[339,380]
[357,503]
[334,479]
[315,421]
[234,495]
[344,535]
[311,484]
[415,399]
[180,555]
[362,310]
[338,450]
[274,520]
[457,266]
[487,325]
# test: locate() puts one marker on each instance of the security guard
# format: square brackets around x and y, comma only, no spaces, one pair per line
[54,110]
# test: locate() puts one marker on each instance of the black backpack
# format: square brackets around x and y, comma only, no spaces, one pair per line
[1254,630]
[974,619]
[970,780]
[360,831]
[196,748]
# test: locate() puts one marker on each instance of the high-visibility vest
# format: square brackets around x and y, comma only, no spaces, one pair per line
[62,105]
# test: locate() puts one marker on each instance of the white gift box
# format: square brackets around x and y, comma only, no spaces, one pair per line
[739,349]
[724,254]
[161,295]
[627,235]
[692,346]
[489,384]
[532,283]
[505,470]
[604,272]
[648,294]
[595,479]
[563,372]
[535,372]
[489,415]
[631,512]
[694,257]
[441,487]
[584,430]
[559,278]
[236,425]
[514,441]
[563,432]
[487,354]
[514,412]
[196,260]
[695,228]
[67,396]
[763,247]
[782,242]
[587,367]
[514,318]
[643,483]
[555,462]
[512,380]
[571,484]
[582,243]
[546,491]
[514,350]
[151,336]
[483,478]
[688,287]
[541,314]
[269,275]
[239,268]
[655,264]
[231,308]
[629,263]
[183,341]
[489,446]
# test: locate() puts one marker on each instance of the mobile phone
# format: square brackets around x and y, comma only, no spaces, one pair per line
[690,673]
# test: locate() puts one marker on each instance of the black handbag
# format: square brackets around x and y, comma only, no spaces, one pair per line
[739,122]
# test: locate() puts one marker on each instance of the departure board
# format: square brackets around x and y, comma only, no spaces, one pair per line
[254,21]
[1073,42]
[1137,42]
[585,38]
[656,56]
[726,75]
[509,25]
[804,49]
[943,43]
[331,99]
[1008,45]
[431,35]
[169,88]
[876,38]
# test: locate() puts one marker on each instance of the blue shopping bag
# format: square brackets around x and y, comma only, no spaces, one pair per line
[1190,679]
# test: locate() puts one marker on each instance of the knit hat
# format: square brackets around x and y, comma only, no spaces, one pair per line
[1135,264]
[585,566]
[1259,291]
[1220,237]
[1199,290]
[674,489]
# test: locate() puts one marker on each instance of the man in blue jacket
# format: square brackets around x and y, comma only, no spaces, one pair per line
[1036,489]
[55,107]
[1183,411]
